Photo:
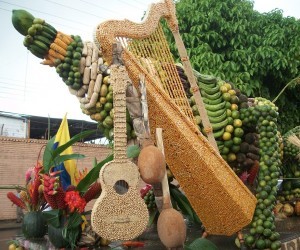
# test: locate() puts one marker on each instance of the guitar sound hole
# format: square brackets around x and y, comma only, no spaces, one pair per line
[121,187]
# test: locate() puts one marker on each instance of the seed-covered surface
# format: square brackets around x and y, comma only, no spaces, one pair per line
[222,202]
[119,213]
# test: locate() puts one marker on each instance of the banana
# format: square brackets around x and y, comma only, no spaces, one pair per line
[205,78]
[43,39]
[213,102]
[35,50]
[215,107]
[219,118]
[213,96]
[209,90]
[47,35]
[218,134]
[51,32]
[219,125]
[50,27]
[215,113]
[41,45]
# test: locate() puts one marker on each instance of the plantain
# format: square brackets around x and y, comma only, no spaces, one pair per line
[215,113]
[47,35]
[213,102]
[215,107]
[209,90]
[218,119]
[218,134]
[205,78]
[43,39]
[219,125]
[36,51]
[213,96]
[43,47]
[50,31]
[50,27]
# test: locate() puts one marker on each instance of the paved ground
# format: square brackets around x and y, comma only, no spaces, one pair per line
[288,228]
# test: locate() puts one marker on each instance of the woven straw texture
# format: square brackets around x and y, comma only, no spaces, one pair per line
[222,202]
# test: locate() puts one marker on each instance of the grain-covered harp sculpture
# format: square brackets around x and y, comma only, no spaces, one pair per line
[219,198]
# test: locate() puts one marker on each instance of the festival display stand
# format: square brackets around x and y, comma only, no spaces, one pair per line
[228,192]
[130,66]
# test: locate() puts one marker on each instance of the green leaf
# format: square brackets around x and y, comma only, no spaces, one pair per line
[63,158]
[48,153]
[74,220]
[52,156]
[52,217]
[132,152]
[183,204]
[153,214]
[92,175]
[201,243]
[74,139]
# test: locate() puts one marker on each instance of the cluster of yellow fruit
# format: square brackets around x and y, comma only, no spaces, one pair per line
[230,141]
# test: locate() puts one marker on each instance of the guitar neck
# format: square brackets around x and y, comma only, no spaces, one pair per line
[119,79]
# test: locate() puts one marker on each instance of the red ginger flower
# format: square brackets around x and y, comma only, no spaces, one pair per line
[93,192]
[16,200]
[74,201]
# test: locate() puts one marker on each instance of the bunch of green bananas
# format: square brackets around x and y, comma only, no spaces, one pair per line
[221,102]
[38,34]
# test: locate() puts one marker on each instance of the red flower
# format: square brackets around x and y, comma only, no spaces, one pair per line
[74,201]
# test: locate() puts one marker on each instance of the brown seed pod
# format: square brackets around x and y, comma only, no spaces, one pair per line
[152,164]
[171,228]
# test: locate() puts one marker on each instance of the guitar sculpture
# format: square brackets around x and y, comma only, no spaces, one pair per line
[119,213]
[220,199]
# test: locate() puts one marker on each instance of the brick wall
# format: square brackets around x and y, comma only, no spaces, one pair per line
[17,155]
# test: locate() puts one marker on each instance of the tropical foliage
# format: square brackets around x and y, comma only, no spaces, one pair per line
[259,53]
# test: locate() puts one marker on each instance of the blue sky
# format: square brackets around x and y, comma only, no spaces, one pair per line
[27,87]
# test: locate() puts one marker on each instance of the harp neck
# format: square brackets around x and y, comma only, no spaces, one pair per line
[107,31]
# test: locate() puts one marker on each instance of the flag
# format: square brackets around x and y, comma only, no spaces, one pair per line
[68,168]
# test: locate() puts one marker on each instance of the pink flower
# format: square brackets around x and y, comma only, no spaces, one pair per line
[28,174]
[244,176]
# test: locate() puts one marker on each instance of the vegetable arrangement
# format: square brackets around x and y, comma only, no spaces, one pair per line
[263,118]
[222,103]
[291,167]
[78,63]
[245,128]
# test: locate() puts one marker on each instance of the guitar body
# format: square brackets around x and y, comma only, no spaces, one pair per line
[119,213]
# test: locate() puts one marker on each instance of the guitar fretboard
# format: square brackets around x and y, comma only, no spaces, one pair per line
[119,80]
